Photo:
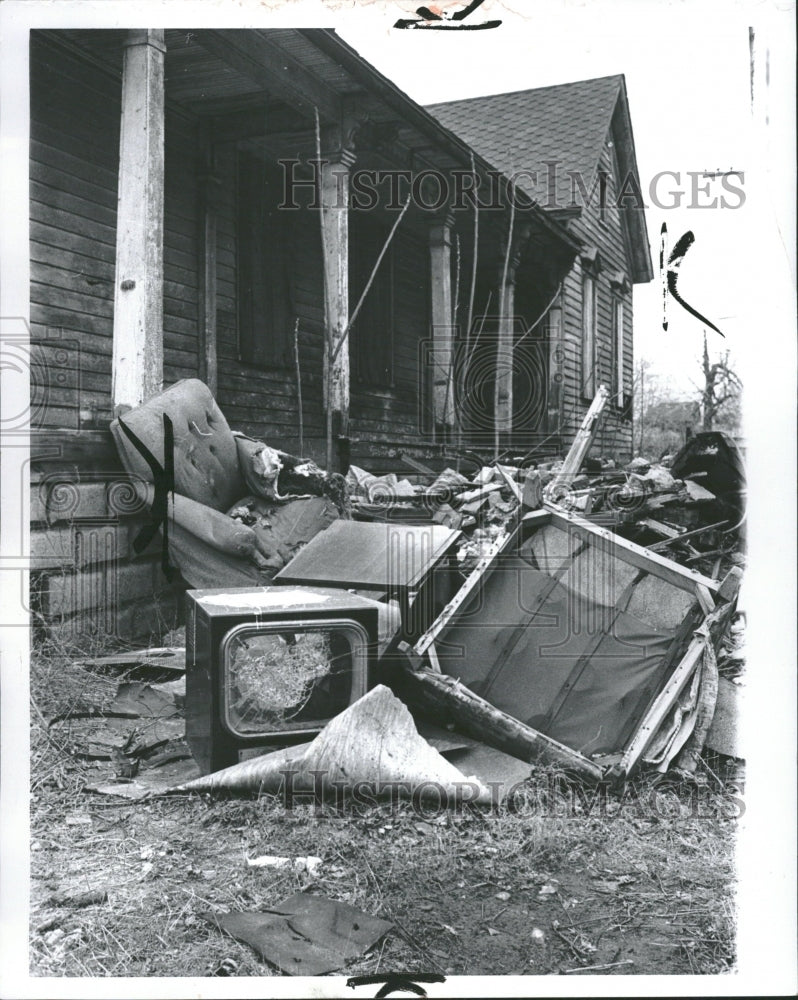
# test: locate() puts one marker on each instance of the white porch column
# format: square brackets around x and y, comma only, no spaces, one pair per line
[335,245]
[505,347]
[554,334]
[503,400]
[440,254]
[138,291]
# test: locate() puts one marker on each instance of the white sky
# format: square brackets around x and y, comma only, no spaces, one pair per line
[688,80]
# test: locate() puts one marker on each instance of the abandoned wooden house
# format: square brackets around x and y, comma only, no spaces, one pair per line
[571,148]
[183,225]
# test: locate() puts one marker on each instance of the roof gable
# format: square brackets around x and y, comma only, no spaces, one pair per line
[566,125]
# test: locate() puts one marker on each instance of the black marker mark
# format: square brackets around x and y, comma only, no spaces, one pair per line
[675,260]
[427,20]
[663,253]
[397,982]
[163,478]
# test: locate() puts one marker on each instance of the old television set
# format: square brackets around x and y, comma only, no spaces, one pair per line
[270,666]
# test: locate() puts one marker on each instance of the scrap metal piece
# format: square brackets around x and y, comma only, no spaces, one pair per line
[373,747]
[306,935]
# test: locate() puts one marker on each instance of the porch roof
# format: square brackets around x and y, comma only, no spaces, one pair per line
[269,82]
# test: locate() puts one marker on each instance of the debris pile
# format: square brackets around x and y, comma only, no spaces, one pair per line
[690,507]
[483,507]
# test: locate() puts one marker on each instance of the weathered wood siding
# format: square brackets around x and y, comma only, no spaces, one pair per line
[74,161]
[615,436]
[86,580]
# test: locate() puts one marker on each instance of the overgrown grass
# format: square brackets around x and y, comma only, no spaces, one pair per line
[643,883]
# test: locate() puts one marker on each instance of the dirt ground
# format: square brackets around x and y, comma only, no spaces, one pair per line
[557,883]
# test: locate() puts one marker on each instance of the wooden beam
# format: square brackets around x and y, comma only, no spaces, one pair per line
[635,555]
[503,402]
[138,292]
[209,184]
[440,695]
[659,709]
[554,333]
[580,447]
[271,67]
[335,246]
[440,256]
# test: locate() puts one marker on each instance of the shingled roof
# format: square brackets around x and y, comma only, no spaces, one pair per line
[568,123]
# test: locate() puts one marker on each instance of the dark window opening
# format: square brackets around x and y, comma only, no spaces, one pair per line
[265,335]
[371,335]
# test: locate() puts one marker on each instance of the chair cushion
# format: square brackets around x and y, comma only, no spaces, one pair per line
[205,454]
[281,529]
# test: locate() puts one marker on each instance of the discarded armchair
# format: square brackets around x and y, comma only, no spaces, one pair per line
[226,524]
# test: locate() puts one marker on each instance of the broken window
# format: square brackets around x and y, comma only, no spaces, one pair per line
[265,325]
[371,335]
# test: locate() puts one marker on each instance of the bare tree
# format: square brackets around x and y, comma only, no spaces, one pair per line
[646,392]
[720,391]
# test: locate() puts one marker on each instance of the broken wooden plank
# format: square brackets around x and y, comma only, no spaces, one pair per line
[705,599]
[418,466]
[172,658]
[662,704]
[440,694]
[637,555]
[515,489]
[666,530]
[479,493]
[581,445]
[687,534]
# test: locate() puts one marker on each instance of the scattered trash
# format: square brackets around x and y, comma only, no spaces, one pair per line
[78,819]
[309,864]
[306,935]
[598,968]
[156,780]
[227,967]
[78,899]
[159,659]
[503,896]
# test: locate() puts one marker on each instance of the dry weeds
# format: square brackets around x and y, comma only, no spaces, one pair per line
[553,886]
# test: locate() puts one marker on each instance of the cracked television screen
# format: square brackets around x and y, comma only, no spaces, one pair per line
[290,679]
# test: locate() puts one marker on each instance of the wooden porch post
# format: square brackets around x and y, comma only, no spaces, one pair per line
[503,399]
[209,185]
[138,291]
[505,346]
[335,246]
[440,253]
[554,333]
